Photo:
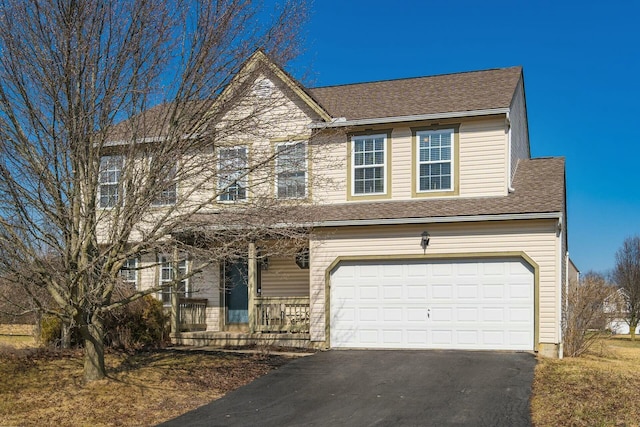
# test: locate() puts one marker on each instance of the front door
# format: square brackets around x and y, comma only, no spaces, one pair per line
[236,292]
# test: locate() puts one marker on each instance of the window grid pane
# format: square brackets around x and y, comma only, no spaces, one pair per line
[368,165]
[434,160]
[166,276]
[168,195]
[129,271]
[109,179]
[291,170]
[232,181]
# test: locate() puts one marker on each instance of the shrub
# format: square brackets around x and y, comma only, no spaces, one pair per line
[585,318]
[136,325]
[50,330]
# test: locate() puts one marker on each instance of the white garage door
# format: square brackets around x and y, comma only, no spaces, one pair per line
[447,305]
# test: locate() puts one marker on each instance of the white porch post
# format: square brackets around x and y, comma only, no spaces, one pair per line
[175,298]
[251,285]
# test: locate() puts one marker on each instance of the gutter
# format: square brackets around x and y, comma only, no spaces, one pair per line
[342,122]
[436,220]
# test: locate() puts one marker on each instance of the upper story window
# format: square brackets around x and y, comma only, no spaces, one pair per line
[232,174]
[110,172]
[435,160]
[168,192]
[369,164]
[167,276]
[129,272]
[291,170]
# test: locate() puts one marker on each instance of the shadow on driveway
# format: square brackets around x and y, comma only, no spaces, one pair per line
[381,388]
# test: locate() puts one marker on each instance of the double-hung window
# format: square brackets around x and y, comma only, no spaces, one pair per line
[168,187]
[129,272]
[110,172]
[232,174]
[167,276]
[435,160]
[369,164]
[291,170]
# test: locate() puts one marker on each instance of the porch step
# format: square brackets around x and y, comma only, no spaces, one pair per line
[241,339]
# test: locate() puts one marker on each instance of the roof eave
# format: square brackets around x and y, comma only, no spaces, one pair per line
[443,219]
[337,123]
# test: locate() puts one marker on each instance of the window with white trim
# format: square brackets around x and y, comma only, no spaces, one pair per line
[232,174]
[109,176]
[369,164]
[168,193]
[291,170]
[167,275]
[435,160]
[129,272]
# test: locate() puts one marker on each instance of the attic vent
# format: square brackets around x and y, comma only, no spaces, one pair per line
[263,88]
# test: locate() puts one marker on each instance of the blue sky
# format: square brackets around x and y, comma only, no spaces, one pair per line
[582,71]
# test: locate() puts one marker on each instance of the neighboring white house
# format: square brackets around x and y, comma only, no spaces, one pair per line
[440,231]
[615,309]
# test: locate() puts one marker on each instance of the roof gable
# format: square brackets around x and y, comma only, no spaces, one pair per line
[258,62]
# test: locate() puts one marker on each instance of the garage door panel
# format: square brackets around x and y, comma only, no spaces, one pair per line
[368,293]
[392,292]
[457,305]
[417,293]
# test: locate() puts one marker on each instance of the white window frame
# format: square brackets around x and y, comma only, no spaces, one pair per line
[165,265]
[113,200]
[451,161]
[127,269]
[243,179]
[162,199]
[281,169]
[374,165]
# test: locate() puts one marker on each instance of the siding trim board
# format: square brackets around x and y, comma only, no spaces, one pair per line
[437,257]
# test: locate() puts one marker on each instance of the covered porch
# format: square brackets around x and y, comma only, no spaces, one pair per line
[261,300]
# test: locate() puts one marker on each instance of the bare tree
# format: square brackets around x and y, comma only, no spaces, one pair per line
[627,276]
[112,114]
[585,316]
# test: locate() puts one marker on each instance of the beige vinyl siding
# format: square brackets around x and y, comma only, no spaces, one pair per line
[536,238]
[401,163]
[519,130]
[483,158]
[284,278]
[206,284]
[329,167]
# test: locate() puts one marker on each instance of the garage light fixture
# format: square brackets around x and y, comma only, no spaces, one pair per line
[424,242]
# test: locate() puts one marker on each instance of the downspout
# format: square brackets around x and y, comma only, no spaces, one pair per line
[560,285]
[509,160]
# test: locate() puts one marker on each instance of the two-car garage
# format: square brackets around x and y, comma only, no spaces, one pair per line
[433,304]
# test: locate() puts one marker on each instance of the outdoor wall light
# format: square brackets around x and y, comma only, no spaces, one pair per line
[424,242]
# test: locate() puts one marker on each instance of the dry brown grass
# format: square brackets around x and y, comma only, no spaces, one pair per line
[45,388]
[601,388]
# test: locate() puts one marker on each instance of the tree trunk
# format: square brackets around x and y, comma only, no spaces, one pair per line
[66,334]
[93,336]
[632,329]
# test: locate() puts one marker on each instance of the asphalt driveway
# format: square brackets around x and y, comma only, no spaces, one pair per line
[381,388]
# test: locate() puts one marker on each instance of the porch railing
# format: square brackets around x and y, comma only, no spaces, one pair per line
[193,314]
[282,314]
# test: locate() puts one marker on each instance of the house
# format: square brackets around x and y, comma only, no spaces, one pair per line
[616,312]
[438,231]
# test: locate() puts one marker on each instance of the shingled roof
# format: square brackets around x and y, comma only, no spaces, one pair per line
[538,188]
[470,91]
